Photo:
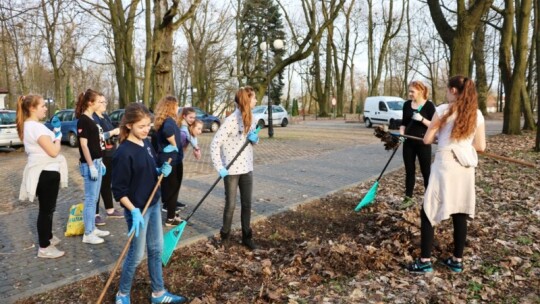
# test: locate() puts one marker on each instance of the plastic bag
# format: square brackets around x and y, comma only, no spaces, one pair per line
[75,224]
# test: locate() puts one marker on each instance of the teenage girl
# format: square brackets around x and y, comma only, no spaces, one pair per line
[134,175]
[169,145]
[228,140]
[188,117]
[91,146]
[460,129]
[45,171]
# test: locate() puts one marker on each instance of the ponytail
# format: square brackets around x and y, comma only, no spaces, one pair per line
[243,100]
[24,104]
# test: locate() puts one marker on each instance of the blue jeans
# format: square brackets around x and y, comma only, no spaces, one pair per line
[91,194]
[151,236]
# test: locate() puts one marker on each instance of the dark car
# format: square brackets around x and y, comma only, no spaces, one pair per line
[116,117]
[210,122]
[69,126]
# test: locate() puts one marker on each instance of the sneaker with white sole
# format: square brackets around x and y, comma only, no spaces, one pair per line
[101,233]
[92,239]
[50,252]
[54,241]
[99,220]
[115,214]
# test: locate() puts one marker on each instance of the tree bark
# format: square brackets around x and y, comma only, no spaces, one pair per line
[480,67]
[459,39]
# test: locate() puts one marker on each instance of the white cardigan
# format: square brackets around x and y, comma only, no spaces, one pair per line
[32,171]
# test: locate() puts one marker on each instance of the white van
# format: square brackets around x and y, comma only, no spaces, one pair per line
[383,110]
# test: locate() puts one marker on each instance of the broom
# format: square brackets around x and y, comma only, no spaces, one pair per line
[171,239]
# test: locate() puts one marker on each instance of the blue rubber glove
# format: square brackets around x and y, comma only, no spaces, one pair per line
[170,148]
[55,122]
[58,135]
[103,169]
[223,172]
[165,169]
[253,137]
[138,222]
[93,173]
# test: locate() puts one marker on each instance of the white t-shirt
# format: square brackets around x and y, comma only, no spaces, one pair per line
[444,133]
[33,130]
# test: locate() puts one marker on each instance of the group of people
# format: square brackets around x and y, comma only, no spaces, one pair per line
[449,182]
[130,171]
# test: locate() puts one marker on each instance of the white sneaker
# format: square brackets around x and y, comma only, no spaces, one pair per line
[50,252]
[54,240]
[100,233]
[92,239]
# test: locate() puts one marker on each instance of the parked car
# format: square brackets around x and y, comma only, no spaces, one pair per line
[68,128]
[386,110]
[279,116]
[8,129]
[116,117]
[210,122]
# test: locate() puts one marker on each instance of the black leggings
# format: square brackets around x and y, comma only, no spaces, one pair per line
[460,234]
[47,193]
[412,149]
[170,188]
[105,189]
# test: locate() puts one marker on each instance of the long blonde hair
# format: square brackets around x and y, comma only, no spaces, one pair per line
[466,106]
[165,108]
[243,100]
[24,104]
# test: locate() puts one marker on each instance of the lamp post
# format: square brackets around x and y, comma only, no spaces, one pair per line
[278,45]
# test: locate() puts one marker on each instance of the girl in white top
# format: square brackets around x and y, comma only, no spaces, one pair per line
[459,127]
[45,171]
[227,142]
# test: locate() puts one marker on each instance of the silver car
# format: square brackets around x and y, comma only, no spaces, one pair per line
[8,129]
[279,116]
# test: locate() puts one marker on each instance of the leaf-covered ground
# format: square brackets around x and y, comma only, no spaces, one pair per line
[324,252]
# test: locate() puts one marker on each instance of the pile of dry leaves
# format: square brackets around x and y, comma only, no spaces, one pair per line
[324,252]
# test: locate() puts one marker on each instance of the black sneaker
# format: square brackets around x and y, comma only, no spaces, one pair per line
[453,265]
[420,267]
[180,205]
[177,211]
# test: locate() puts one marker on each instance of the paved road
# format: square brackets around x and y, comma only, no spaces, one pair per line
[301,163]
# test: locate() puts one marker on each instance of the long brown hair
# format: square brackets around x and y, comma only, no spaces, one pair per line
[24,104]
[465,106]
[133,113]
[84,99]
[165,108]
[243,100]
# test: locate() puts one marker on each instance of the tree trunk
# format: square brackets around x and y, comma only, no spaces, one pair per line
[528,115]
[148,75]
[459,39]
[537,25]
[480,66]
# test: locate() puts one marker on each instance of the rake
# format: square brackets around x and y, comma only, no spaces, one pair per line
[171,239]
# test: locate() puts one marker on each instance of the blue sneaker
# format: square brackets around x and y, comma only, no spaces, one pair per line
[420,267]
[168,297]
[122,299]
[453,265]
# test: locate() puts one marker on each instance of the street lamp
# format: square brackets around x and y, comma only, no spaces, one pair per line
[278,45]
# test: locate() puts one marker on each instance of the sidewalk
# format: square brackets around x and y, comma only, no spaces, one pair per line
[300,164]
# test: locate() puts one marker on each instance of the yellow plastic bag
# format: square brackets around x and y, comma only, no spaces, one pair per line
[75,225]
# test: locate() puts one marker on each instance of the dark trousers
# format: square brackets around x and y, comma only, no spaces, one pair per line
[460,234]
[245,183]
[47,193]
[411,150]
[105,189]
[170,188]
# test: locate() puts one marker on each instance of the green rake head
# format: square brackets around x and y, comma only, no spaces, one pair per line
[170,240]
[369,197]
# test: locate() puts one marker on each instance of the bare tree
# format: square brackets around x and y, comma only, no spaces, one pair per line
[459,40]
